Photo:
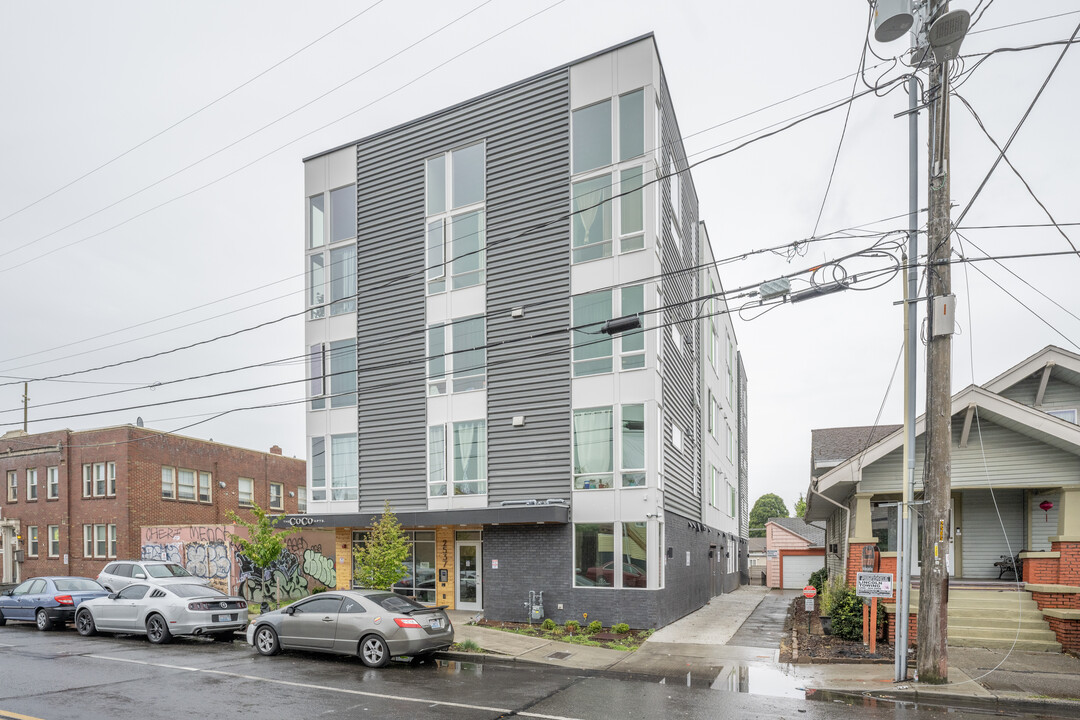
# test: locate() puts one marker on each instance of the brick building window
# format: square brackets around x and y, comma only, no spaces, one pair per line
[301,499]
[88,541]
[185,484]
[112,540]
[31,484]
[54,541]
[168,482]
[95,483]
[31,541]
[13,485]
[87,480]
[245,491]
[277,492]
[99,540]
[204,487]
[52,483]
[110,474]
[99,480]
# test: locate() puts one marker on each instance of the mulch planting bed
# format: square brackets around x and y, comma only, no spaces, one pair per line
[806,642]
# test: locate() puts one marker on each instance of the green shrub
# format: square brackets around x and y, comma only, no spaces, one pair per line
[818,579]
[620,628]
[318,589]
[571,626]
[594,627]
[847,614]
[832,587]
[548,625]
[469,645]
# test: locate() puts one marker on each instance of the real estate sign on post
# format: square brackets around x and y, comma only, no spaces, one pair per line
[873,585]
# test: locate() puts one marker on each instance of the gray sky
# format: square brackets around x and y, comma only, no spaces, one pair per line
[169,255]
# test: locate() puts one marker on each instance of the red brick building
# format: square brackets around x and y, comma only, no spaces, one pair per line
[73,500]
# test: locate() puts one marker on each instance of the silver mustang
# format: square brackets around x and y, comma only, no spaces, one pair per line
[373,624]
[161,611]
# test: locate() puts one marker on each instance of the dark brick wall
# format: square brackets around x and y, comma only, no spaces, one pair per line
[539,557]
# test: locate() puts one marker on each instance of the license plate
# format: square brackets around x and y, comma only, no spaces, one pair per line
[224,618]
[434,624]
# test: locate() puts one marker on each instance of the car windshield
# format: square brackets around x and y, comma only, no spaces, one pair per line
[189,591]
[167,570]
[76,584]
[396,603]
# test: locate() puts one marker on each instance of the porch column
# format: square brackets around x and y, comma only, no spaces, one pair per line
[860,534]
[1067,541]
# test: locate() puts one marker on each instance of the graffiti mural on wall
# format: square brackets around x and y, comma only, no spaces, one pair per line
[208,551]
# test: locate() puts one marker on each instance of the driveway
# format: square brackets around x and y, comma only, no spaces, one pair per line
[765,626]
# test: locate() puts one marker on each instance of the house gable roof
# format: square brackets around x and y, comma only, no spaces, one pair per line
[1066,367]
[813,533]
[831,446]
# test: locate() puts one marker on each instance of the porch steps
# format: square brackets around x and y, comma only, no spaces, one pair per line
[993,618]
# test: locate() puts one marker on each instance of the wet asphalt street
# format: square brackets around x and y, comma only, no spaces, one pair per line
[59,675]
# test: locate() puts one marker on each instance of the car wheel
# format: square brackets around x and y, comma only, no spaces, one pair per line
[266,641]
[157,630]
[44,622]
[373,651]
[84,623]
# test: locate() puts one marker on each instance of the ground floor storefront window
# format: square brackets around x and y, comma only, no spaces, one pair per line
[419,579]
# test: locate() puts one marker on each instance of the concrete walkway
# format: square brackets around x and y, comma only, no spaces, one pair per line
[732,643]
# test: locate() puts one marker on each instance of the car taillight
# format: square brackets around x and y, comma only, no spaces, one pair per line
[198,606]
[407,623]
[64,600]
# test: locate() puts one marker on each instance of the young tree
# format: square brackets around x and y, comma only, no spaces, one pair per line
[380,562]
[767,506]
[800,507]
[263,545]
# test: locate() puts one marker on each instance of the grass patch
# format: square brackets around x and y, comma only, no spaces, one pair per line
[468,645]
[573,633]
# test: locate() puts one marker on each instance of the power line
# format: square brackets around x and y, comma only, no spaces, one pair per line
[192,114]
[1022,22]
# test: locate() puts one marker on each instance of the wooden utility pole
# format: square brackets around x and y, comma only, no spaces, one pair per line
[932,661]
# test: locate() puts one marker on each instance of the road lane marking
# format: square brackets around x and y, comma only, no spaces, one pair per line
[16,716]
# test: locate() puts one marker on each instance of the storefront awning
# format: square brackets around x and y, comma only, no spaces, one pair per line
[509,515]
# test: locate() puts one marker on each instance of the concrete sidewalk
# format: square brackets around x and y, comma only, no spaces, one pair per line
[699,650]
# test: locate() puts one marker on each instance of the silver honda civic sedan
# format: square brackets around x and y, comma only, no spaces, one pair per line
[161,611]
[372,624]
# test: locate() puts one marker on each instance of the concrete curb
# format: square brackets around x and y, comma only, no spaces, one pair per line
[999,701]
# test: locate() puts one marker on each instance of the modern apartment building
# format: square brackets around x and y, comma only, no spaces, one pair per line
[73,500]
[461,269]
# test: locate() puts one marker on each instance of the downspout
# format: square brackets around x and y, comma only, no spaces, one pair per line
[847,524]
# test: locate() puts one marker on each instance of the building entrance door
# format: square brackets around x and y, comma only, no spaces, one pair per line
[469,591]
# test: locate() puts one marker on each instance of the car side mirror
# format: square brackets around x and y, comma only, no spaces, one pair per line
[289,610]
[139,576]
[113,596]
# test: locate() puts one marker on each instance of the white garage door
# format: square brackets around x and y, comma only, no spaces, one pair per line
[798,568]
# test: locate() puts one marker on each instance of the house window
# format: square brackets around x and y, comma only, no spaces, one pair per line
[101,541]
[301,499]
[591,136]
[54,541]
[205,481]
[470,457]
[455,218]
[12,485]
[185,484]
[593,448]
[87,480]
[318,469]
[343,467]
[110,478]
[52,483]
[467,358]
[88,541]
[632,439]
[99,480]
[168,482]
[277,496]
[112,540]
[31,484]
[245,491]
[1066,415]
[32,540]
[342,373]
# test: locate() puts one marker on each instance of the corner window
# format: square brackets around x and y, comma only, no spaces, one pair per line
[54,541]
[32,540]
[343,280]
[591,128]
[342,373]
[52,483]
[277,496]
[593,351]
[633,445]
[594,545]
[342,271]
[591,219]
[593,448]
[31,484]
[343,213]
[168,482]
[343,467]
[316,221]
[245,491]
[455,218]
[632,125]
[631,210]
[632,343]
[316,371]
[317,286]
[465,360]
[318,469]
[205,481]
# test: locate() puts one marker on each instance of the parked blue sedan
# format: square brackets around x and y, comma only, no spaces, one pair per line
[48,601]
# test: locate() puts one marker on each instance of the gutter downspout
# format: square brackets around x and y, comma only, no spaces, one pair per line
[847,524]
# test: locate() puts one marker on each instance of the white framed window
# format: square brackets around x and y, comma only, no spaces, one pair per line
[110,478]
[1066,415]
[344,483]
[605,129]
[596,445]
[54,541]
[101,541]
[245,491]
[317,376]
[463,447]
[318,469]
[301,499]
[338,281]
[455,191]
[32,540]
[168,483]
[593,351]
[52,482]
[457,349]
[185,484]
[88,480]
[277,496]
[437,461]
[88,541]
[714,345]
[112,540]
[206,481]
[332,370]
[31,484]
[632,445]
[100,484]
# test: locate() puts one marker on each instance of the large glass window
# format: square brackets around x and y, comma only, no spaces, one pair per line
[455,218]
[633,445]
[470,457]
[53,482]
[419,580]
[342,373]
[635,556]
[592,136]
[437,460]
[467,356]
[245,491]
[591,220]
[343,467]
[186,484]
[343,213]
[168,482]
[632,343]
[343,280]
[436,185]
[593,448]
[316,286]
[594,546]
[592,350]
[315,377]
[31,484]
[467,248]
[631,210]
[468,175]
[632,125]
[316,221]
[883,523]
[318,469]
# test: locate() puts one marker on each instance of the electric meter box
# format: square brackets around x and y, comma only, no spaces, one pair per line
[943,321]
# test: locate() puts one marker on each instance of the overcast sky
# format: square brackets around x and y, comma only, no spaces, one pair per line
[197,231]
